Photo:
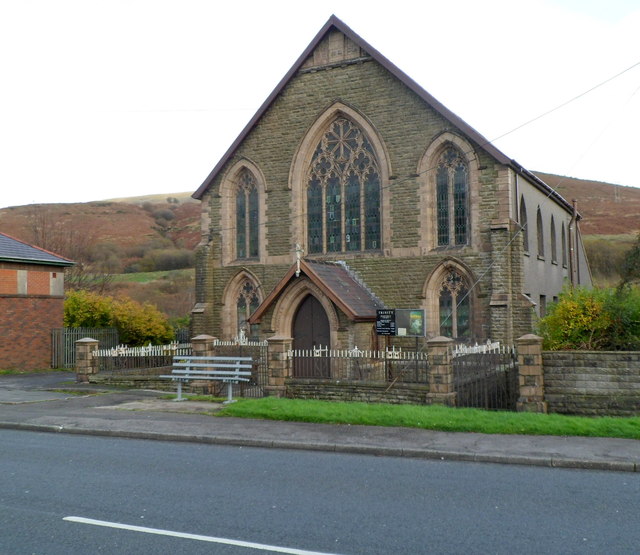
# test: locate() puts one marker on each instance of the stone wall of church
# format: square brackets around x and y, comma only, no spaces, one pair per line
[397,274]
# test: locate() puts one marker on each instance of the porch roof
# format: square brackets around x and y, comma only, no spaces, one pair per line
[337,282]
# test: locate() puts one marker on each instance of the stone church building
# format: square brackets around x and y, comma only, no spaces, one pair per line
[352,189]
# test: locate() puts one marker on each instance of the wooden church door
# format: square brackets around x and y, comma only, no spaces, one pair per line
[311,331]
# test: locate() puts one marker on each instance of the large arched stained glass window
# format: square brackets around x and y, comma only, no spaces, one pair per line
[343,192]
[455,307]
[452,199]
[247,216]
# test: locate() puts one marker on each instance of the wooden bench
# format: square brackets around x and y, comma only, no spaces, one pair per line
[229,370]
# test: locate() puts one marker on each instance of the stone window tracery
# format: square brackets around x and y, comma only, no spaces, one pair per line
[454,306]
[246,304]
[343,192]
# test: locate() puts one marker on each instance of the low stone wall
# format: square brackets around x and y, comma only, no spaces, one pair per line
[592,383]
[366,392]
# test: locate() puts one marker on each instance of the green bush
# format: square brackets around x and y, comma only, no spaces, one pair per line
[593,319]
[137,324]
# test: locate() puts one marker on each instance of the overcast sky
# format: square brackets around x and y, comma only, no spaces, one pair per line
[104,99]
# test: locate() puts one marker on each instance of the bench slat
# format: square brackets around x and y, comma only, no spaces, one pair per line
[210,365]
[178,357]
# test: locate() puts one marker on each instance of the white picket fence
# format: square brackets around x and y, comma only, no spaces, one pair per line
[483,348]
[388,354]
[171,349]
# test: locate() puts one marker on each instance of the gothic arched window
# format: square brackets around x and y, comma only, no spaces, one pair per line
[540,230]
[452,199]
[564,247]
[343,192]
[554,247]
[247,219]
[455,307]
[523,225]
[246,304]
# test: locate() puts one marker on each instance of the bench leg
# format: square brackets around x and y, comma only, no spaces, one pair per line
[229,394]
[179,397]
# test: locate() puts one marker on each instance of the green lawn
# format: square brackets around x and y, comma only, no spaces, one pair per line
[433,418]
[147,277]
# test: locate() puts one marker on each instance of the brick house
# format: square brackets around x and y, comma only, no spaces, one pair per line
[31,303]
[353,189]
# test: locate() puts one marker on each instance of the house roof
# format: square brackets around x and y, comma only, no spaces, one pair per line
[465,128]
[337,282]
[14,250]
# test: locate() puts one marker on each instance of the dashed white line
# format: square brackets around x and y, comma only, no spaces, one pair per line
[198,537]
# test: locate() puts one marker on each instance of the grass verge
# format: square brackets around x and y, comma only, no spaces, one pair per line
[433,418]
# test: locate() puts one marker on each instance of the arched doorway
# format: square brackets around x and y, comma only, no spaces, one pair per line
[311,330]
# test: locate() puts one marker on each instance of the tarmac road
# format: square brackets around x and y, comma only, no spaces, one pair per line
[27,403]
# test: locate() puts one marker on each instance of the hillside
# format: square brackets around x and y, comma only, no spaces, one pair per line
[128,228]
[153,233]
[606,209]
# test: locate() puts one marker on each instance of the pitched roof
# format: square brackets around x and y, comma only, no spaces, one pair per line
[470,132]
[337,282]
[14,250]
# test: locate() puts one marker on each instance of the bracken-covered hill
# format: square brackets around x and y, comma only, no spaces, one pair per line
[606,209]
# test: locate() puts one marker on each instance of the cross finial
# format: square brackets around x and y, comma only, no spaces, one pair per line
[299,253]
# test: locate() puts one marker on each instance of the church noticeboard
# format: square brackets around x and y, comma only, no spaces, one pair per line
[386,322]
[401,322]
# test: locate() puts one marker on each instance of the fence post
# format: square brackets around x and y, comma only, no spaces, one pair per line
[279,367]
[440,352]
[530,374]
[202,346]
[86,364]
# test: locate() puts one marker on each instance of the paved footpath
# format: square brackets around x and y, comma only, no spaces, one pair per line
[31,403]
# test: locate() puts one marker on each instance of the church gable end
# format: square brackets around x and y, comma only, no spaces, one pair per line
[335,48]
[351,162]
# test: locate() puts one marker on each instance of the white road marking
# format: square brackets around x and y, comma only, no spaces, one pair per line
[211,539]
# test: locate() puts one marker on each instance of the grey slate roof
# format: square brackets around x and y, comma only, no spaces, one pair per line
[14,250]
[336,281]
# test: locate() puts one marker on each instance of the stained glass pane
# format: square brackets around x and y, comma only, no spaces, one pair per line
[372,210]
[343,161]
[314,216]
[253,222]
[352,213]
[442,205]
[460,204]
[463,315]
[241,225]
[446,307]
[241,308]
[334,215]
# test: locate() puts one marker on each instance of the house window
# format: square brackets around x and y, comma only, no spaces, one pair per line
[452,199]
[523,225]
[343,192]
[540,230]
[455,307]
[246,216]
[246,304]
[554,248]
